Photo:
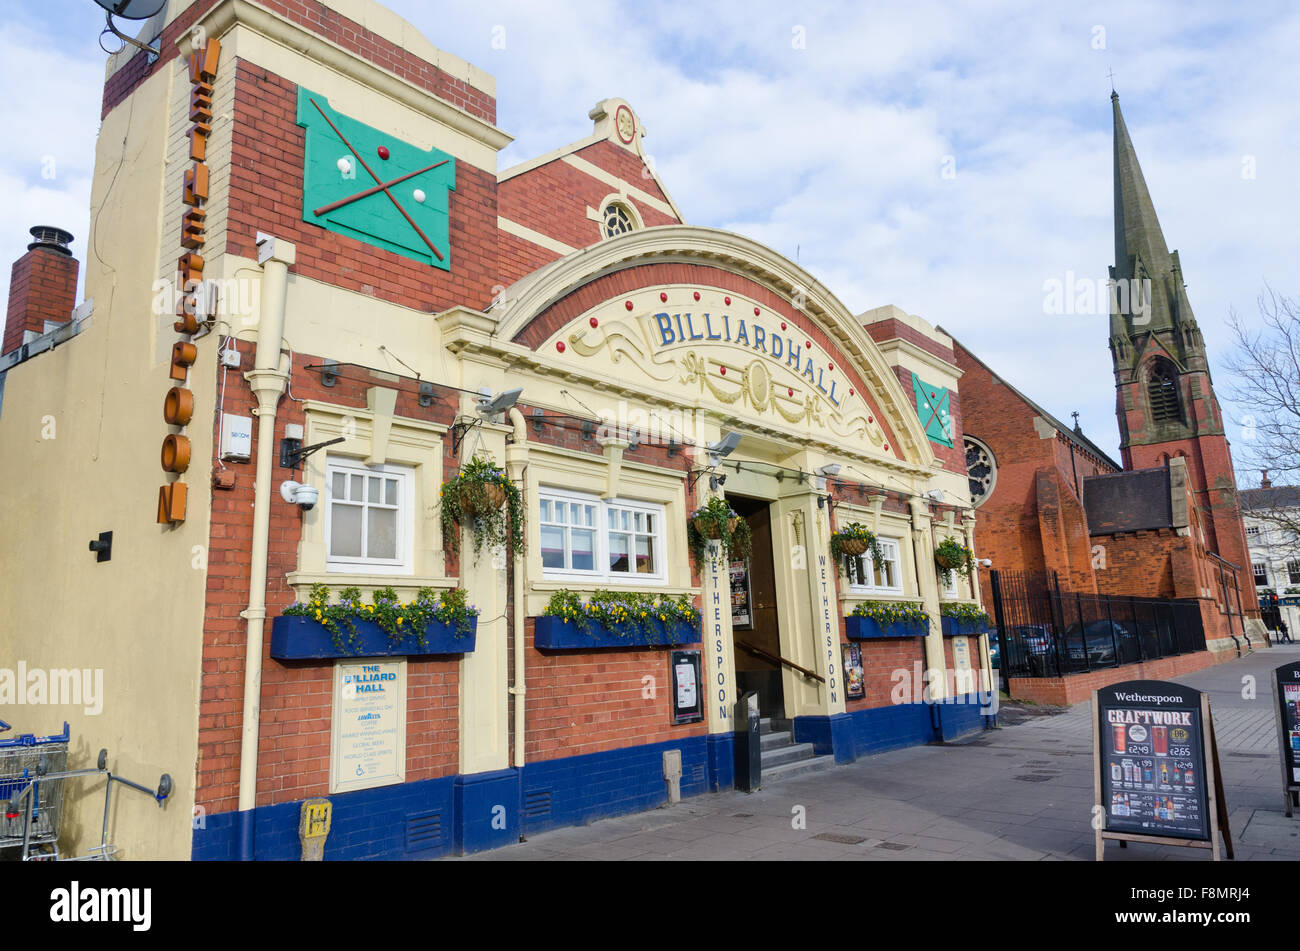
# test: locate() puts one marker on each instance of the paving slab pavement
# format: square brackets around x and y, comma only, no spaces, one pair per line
[1019,793]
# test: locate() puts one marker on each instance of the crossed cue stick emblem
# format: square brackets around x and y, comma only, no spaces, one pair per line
[378,187]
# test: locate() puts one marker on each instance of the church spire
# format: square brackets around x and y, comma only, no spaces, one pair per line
[1137,230]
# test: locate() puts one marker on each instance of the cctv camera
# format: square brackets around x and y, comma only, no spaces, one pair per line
[299,494]
[986,562]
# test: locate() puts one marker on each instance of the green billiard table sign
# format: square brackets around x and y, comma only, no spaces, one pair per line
[366,184]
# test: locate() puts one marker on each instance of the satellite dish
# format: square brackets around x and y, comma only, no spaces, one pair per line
[132,9]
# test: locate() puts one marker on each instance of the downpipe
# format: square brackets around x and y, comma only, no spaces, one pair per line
[267,379]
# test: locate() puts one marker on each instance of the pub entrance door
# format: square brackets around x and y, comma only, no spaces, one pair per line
[753,611]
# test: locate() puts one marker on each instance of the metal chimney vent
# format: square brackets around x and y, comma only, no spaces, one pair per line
[47,236]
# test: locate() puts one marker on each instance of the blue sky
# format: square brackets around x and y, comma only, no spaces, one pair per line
[824,130]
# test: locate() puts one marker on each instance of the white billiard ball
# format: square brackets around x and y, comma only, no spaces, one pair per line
[418,195]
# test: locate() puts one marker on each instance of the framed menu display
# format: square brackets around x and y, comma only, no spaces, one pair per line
[742,606]
[1156,768]
[1286,703]
[688,693]
[854,680]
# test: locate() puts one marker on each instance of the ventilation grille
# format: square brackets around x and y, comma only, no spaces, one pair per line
[423,831]
[537,804]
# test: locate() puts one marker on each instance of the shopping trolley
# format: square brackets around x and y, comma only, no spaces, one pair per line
[27,764]
[32,774]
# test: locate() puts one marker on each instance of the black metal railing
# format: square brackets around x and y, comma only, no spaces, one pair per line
[1044,631]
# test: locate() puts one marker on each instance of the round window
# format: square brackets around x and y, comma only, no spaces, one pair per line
[616,220]
[981,469]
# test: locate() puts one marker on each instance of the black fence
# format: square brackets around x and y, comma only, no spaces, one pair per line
[1046,632]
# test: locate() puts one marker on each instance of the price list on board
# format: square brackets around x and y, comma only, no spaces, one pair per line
[1152,760]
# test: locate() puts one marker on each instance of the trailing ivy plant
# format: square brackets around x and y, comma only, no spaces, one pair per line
[891,612]
[963,613]
[855,532]
[396,619]
[716,520]
[490,525]
[623,613]
[952,555]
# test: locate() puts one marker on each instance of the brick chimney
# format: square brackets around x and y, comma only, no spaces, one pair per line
[1265,482]
[42,287]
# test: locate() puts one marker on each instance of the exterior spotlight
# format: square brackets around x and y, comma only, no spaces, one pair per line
[829,471]
[717,480]
[492,407]
[935,495]
[722,448]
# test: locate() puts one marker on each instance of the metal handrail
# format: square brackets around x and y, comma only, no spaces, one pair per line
[776,658]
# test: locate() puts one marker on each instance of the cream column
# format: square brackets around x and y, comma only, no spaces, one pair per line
[484,688]
[719,651]
[927,583]
[977,592]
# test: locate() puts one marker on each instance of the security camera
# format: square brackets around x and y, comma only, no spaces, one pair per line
[985,562]
[299,494]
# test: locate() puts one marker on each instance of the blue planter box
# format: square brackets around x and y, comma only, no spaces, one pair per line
[866,628]
[301,638]
[552,633]
[955,628]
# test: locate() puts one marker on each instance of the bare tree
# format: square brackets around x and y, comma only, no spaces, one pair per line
[1266,384]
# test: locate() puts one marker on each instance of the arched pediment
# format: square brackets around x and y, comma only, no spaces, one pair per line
[725,322]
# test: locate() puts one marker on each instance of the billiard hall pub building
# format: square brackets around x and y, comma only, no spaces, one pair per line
[309,294]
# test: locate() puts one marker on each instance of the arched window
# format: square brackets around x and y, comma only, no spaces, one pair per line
[1162,391]
[616,220]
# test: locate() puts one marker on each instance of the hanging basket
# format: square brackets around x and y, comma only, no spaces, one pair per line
[948,562]
[496,497]
[709,528]
[854,546]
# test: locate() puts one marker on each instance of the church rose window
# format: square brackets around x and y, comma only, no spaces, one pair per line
[981,469]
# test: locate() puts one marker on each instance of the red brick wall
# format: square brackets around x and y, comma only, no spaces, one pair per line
[553,199]
[320,19]
[517,258]
[42,286]
[1062,691]
[266,194]
[591,701]
[293,750]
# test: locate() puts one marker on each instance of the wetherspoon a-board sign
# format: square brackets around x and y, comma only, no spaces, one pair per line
[1286,701]
[1156,774]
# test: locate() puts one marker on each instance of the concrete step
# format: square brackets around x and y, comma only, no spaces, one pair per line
[773,741]
[787,754]
[774,725]
[816,764]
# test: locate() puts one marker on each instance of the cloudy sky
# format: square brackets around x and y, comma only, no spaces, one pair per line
[947,158]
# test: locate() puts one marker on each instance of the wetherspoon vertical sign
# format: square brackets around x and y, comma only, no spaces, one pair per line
[1156,768]
[178,406]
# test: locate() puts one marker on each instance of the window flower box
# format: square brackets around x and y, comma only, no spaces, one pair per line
[562,634]
[879,619]
[615,619]
[302,638]
[963,620]
[316,629]
[859,628]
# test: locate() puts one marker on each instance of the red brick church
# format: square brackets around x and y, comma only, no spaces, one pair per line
[1163,522]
